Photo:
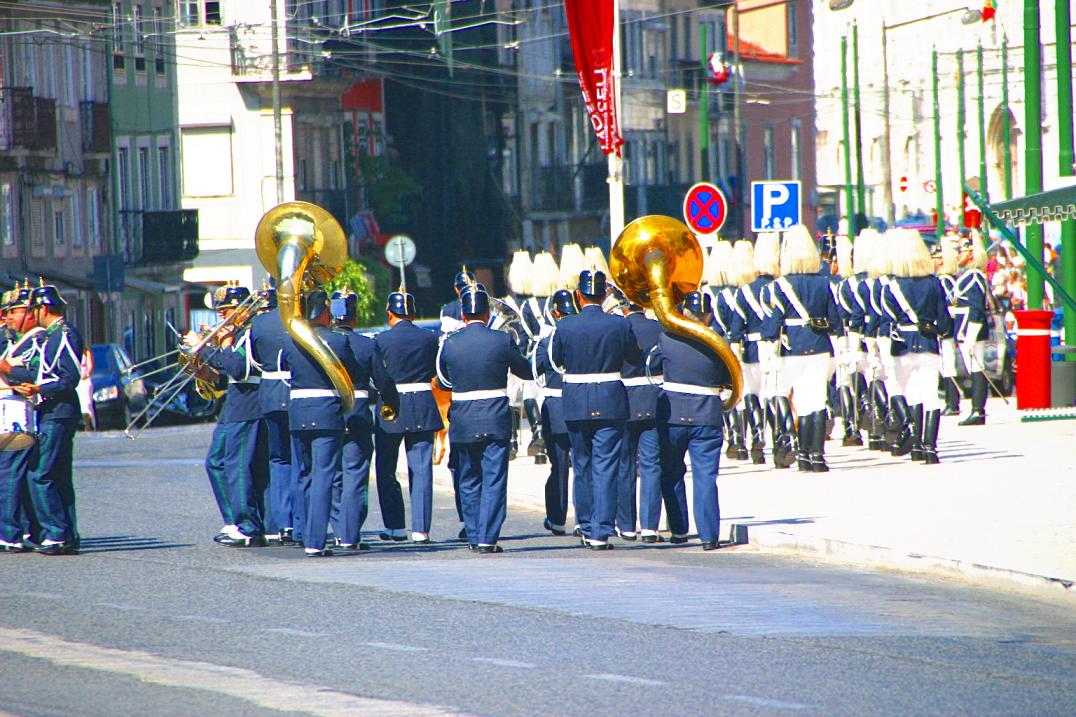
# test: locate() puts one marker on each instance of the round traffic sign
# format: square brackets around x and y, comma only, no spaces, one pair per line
[400,249]
[705,208]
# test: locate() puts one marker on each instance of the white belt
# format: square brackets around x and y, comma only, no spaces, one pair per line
[795,322]
[551,392]
[908,327]
[361,393]
[251,379]
[590,377]
[412,387]
[314,393]
[756,336]
[276,375]
[642,381]
[479,395]
[692,389]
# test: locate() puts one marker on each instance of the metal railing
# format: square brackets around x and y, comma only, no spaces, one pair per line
[158,237]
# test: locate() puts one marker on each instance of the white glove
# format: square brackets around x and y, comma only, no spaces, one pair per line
[972,334]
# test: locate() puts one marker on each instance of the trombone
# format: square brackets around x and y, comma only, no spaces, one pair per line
[190,367]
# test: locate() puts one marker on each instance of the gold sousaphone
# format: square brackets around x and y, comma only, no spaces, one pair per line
[656,261]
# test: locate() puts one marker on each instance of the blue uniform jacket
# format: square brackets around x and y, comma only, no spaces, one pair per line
[241,402]
[854,301]
[925,296]
[478,358]
[269,337]
[56,369]
[970,294]
[799,338]
[410,355]
[552,386]
[749,314]
[642,395]
[685,364]
[533,313]
[596,344]
[321,413]
[369,368]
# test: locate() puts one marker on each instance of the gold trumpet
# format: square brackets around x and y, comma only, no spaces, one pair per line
[303,247]
[656,261]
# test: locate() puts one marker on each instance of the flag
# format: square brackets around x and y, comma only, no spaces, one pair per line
[590,27]
[990,9]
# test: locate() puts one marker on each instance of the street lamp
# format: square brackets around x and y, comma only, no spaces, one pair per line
[968,17]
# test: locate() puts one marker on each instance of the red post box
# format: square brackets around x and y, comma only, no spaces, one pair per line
[1033,358]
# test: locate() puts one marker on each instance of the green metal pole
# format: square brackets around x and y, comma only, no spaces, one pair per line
[982,125]
[846,141]
[1063,23]
[940,203]
[704,109]
[1033,139]
[961,121]
[1007,120]
[861,203]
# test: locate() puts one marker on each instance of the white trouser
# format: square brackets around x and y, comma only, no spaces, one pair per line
[974,355]
[918,376]
[893,387]
[807,378]
[752,379]
[948,358]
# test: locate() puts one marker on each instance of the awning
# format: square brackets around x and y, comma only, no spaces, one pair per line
[149,286]
[1052,206]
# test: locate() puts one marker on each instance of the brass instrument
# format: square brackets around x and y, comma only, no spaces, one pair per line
[302,246]
[656,261]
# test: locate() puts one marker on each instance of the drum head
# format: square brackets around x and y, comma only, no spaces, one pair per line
[16,441]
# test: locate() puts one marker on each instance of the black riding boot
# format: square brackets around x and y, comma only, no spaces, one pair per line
[848,415]
[930,437]
[879,403]
[807,427]
[977,417]
[782,445]
[513,446]
[536,448]
[901,444]
[952,398]
[737,450]
[756,419]
[728,433]
[917,433]
[818,443]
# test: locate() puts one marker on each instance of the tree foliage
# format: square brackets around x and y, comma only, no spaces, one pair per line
[388,186]
[369,283]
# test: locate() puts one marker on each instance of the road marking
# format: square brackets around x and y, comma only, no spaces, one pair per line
[503,663]
[396,647]
[293,631]
[764,702]
[45,596]
[625,679]
[235,682]
[203,618]
[122,606]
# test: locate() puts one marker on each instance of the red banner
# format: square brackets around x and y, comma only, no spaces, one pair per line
[590,26]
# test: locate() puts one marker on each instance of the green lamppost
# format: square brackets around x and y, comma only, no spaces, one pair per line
[1033,139]
[940,203]
[1063,25]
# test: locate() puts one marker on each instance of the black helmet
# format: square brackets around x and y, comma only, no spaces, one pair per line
[344,306]
[401,304]
[592,283]
[698,302]
[315,304]
[230,296]
[564,302]
[464,278]
[47,295]
[474,302]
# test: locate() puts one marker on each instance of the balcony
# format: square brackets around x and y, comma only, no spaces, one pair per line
[552,190]
[26,122]
[96,127]
[252,57]
[158,237]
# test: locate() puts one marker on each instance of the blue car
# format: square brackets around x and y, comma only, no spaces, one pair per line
[118,393]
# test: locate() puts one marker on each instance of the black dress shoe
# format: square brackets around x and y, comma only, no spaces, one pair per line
[652,539]
[394,538]
[473,547]
[549,526]
[677,540]
[627,536]
[423,541]
[488,549]
[577,532]
[65,548]
[245,541]
[462,534]
[710,545]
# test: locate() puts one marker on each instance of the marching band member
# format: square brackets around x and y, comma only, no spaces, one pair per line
[451,319]
[778,409]
[690,422]
[972,290]
[50,379]
[590,349]
[848,350]
[410,355]
[350,501]
[723,291]
[803,316]
[642,449]
[917,302]
[944,254]
[877,333]
[558,444]
[745,326]
[572,262]
[524,395]
[316,422]
[872,406]
[898,425]
[474,363]
[236,462]
[268,339]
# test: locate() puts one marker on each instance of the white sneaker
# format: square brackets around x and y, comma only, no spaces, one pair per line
[417,537]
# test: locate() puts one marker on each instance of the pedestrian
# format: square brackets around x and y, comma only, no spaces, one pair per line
[85,390]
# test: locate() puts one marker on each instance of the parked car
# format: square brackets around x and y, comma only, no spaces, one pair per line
[118,393]
[186,404]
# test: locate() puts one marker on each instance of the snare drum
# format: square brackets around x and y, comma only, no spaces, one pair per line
[18,423]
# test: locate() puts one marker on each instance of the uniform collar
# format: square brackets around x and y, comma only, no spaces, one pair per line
[590,306]
[55,326]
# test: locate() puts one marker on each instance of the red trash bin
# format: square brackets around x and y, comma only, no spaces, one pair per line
[1033,358]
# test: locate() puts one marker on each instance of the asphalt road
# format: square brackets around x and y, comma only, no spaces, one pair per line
[154,619]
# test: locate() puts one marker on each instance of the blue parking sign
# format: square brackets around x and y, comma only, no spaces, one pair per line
[775,206]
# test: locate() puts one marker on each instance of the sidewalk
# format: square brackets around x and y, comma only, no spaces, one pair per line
[1000,509]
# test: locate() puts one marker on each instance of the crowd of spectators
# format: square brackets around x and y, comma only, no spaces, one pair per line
[1007,274]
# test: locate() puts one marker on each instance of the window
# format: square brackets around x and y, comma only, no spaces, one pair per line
[143,177]
[188,13]
[139,32]
[58,227]
[123,175]
[207,161]
[119,37]
[7,214]
[302,175]
[70,77]
[212,12]
[48,69]
[158,41]
[795,149]
[87,91]
[793,30]
[37,222]
[93,225]
[767,152]
[76,218]
[164,166]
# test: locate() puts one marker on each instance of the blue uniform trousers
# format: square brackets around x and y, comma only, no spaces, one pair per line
[643,457]
[703,444]
[217,472]
[245,474]
[454,471]
[419,448]
[484,489]
[350,493]
[596,457]
[558,447]
[318,454]
[282,477]
[14,496]
[50,479]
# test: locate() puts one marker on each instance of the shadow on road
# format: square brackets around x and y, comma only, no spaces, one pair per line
[126,543]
